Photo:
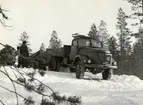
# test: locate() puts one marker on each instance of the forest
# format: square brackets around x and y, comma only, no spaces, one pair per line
[126,52]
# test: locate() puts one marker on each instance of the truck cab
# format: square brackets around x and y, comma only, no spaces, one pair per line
[83,42]
[87,54]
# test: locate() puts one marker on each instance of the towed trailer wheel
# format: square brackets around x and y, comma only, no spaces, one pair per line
[79,66]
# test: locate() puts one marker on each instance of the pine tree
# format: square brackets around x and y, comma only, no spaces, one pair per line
[103,33]
[24,37]
[55,42]
[113,47]
[138,59]
[123,36]
[42,47]
[138,56]
[93,32]
[137,13]
[135,2]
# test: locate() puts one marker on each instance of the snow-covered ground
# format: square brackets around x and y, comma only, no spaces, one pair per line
[119,90]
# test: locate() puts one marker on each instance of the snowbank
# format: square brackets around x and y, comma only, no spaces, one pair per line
[119,90]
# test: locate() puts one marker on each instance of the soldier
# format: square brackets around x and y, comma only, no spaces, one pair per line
[24,54]
[18,57]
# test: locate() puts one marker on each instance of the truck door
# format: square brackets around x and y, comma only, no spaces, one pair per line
[74,49]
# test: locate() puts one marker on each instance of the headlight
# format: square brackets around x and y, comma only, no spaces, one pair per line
[108,58]
[89,61]
[115,63]
[84,61]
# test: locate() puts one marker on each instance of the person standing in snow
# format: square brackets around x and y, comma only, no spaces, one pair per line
[18,57]
[24,54]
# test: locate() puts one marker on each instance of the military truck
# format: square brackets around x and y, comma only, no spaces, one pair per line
[84,54]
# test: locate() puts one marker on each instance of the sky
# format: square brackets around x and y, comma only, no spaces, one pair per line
[40,17]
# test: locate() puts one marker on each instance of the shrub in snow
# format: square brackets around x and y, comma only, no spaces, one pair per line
[29,101]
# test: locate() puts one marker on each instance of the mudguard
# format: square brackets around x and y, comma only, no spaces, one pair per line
[81,57]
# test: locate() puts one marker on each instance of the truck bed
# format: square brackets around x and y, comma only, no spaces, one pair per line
[60,52]
[56,52]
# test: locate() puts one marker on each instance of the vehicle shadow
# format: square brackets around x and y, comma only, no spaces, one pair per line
[92,78]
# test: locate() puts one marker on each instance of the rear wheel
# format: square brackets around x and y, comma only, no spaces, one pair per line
[58,65]
[72,70]
[80,69]
[55,64]
[52,64]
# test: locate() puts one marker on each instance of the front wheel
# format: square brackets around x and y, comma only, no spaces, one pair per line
[79,70]
[106,75]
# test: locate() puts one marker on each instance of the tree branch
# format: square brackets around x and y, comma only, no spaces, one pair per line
[2,102]
[12,84]
[24,85]
[13,92]
[35,79]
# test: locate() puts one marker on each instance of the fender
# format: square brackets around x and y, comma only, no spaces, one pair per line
[81,57]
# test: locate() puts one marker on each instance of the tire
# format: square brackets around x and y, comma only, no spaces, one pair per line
[72,70]
[80,69]
[58,66]
[106,75]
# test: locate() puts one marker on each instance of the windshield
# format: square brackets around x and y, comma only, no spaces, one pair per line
[88,43]
[95,43]
[84,43]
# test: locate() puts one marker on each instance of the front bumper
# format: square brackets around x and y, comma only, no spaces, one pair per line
[95,66]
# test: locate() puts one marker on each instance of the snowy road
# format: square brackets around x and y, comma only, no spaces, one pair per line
[120,90]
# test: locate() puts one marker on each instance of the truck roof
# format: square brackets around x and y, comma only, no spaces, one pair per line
[81,37]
